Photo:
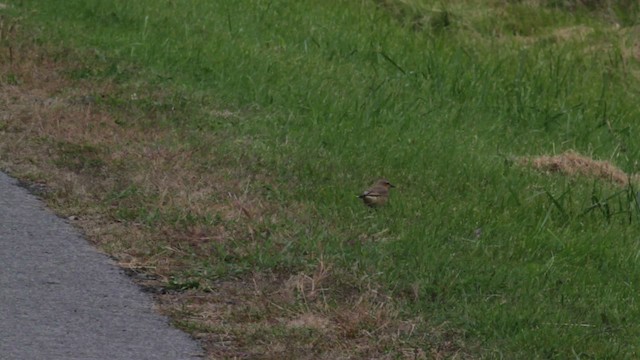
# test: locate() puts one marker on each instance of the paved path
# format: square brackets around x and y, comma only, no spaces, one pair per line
[61,299]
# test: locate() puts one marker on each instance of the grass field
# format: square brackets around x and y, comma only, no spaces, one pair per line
[233,136]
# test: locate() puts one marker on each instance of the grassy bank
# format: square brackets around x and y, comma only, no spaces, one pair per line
[239,133]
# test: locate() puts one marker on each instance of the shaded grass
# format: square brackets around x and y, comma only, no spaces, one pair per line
[495,254]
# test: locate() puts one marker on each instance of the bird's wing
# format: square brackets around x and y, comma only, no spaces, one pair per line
[364,194]
[374,192]
[369,193]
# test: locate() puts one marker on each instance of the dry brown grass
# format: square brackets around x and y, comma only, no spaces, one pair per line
[575,33]
[100,165]
[571,163]
[284,317]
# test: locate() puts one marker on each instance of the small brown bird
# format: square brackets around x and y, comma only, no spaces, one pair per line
[377,194]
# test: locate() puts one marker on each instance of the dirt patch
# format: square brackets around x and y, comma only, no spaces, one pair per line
[572,163]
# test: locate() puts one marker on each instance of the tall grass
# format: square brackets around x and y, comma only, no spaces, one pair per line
[335,94]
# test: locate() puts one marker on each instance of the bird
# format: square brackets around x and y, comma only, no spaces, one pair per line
[378,194]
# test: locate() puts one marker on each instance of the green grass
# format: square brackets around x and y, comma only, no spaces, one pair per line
[334,94]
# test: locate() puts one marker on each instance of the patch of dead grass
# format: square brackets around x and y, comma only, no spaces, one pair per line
[578,32]
[573,164]
[259,317]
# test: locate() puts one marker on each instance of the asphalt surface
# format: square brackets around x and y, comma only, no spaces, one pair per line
[61,299]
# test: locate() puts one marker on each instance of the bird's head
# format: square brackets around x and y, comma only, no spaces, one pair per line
[385,183]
